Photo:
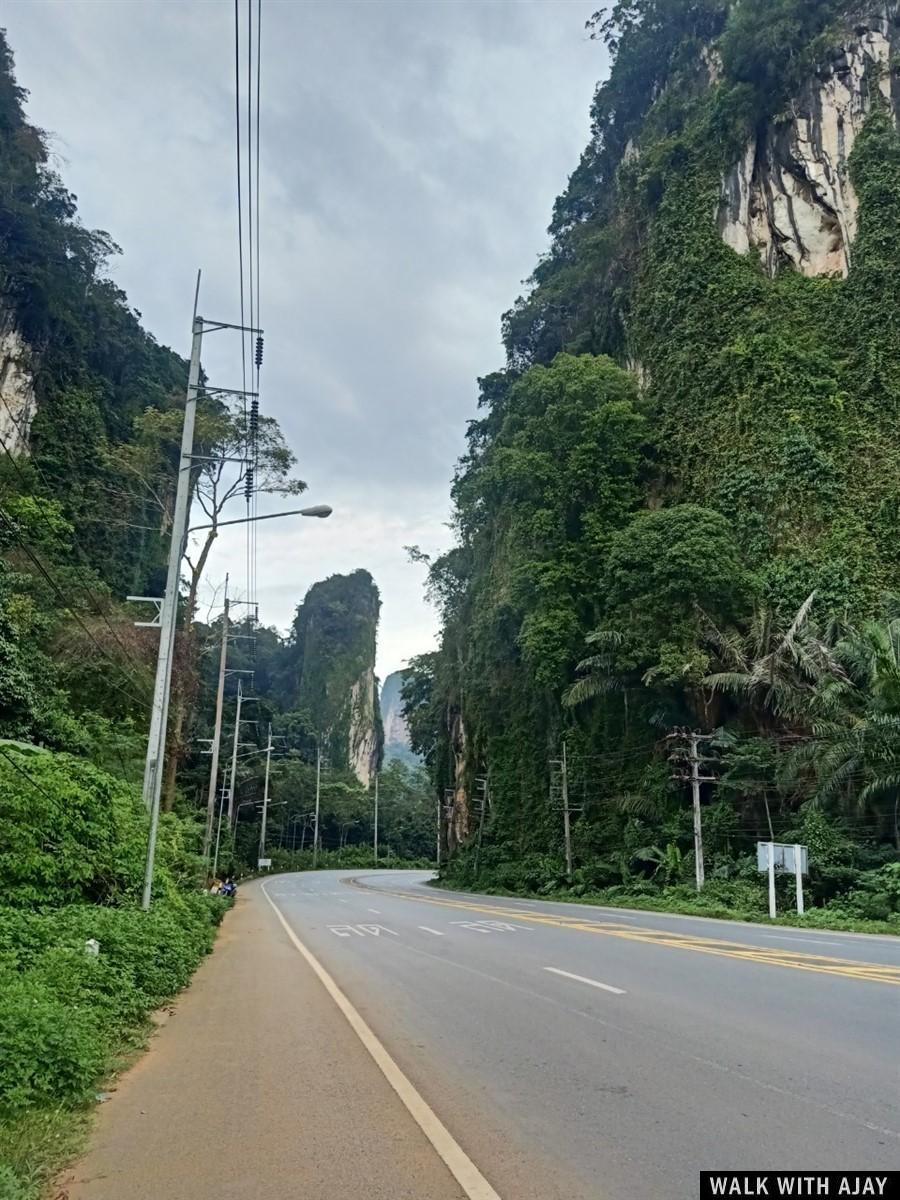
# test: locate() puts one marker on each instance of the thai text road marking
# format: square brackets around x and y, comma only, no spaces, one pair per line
[773,956]
[360,930]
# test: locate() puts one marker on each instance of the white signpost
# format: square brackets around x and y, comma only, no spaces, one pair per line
[783,856]
[261,863]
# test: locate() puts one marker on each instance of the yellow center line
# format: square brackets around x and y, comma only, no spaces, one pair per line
[798,960]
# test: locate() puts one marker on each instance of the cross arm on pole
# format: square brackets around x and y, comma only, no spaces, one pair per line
[157,601]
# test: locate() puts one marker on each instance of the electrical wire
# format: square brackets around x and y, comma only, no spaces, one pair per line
[13,529]
[248,191]
[240,203]
[27,775]
[65,548]
[254,153]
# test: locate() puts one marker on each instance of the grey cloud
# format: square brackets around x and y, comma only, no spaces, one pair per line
[411,155]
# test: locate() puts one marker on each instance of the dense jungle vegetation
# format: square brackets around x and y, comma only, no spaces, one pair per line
[84,520]
[316,688]
[679,509]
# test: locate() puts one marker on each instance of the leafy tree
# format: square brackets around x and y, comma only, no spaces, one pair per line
[221,435]
[676,516]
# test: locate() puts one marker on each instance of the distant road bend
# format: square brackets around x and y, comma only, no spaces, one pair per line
[524,1050]
[587,1052]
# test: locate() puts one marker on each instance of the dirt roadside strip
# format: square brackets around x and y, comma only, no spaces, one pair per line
[257,1087]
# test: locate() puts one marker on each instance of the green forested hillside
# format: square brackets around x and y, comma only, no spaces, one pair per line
[333,644]
[679,503]
[317,688]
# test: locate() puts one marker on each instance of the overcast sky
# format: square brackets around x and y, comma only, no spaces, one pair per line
[411,152]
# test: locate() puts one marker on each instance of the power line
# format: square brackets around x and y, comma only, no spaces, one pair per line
[258,89]
[240,202]
[63,547]
[11,526]
[27,775]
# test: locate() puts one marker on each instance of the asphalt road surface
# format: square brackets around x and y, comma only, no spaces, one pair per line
[599,1054]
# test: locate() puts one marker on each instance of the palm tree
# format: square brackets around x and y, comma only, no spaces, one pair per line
[775,668]
[855,750]
[599,675]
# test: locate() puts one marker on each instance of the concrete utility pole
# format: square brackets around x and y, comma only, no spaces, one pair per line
[265,807]
[698,825]
[481,785]
[567,826]
[318,794]
[692,751]
[376,818]
[234,753]
[798,875]
[217,733]
[168,618]
[439,833]
[215,866]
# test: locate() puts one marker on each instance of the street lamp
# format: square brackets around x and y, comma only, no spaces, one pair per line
[167,606]
[317,510]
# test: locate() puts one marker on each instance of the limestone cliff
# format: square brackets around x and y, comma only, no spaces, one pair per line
[396,730]
[363,728]
[731,238]
[334,637]
[789,197]
[17,402]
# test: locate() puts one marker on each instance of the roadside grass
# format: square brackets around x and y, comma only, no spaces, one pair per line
[814,918]
[36,1146]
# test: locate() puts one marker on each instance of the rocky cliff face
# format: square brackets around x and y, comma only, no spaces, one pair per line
[334,633]
[789,197]
[362,733]
[17,403]
[396,731]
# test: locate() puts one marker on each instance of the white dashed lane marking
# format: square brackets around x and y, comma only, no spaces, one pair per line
[606,987]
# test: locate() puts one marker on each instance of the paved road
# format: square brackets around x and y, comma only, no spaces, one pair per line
[596,1054]
[256,1088]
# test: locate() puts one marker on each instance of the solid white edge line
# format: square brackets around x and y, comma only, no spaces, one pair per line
[461,1167]
[583,979]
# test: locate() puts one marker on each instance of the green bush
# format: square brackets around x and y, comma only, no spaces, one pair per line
[51,1050]
[10,1187]
[63,1011]
[75,833]
[876,896]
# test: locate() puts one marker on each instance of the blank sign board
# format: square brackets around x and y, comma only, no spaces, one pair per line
[784,857]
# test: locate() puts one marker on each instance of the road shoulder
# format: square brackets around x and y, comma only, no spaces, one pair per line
[256,1086]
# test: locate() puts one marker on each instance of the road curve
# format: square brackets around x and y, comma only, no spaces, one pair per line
[596,1054]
